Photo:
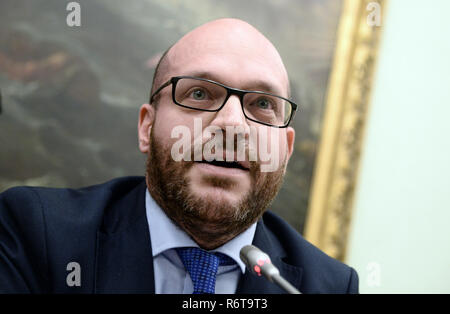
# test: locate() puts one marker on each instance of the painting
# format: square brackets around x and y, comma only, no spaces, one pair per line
[347,104]
[71,94]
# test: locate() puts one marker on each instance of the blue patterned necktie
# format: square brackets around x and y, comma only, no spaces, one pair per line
[202,267]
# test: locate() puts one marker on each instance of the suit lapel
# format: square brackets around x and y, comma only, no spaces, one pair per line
[124,262]
[252,284]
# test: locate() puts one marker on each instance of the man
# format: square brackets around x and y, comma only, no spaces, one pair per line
[181,229]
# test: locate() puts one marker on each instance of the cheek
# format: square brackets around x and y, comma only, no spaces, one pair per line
[272,141]
[174,125]
[168,121]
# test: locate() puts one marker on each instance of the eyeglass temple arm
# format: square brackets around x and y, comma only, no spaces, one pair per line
[159,89]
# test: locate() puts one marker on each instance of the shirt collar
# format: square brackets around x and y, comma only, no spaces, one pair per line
[166,235]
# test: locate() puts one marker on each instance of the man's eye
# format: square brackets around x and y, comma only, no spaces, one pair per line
[198,94]
[263,103]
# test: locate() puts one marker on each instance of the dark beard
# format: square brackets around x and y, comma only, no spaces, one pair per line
[209,222]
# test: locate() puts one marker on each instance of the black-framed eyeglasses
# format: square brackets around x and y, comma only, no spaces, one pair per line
[206,95]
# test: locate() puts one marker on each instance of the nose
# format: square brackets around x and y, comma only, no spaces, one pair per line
[231,114]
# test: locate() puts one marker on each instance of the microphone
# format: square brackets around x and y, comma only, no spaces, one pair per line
[259,264]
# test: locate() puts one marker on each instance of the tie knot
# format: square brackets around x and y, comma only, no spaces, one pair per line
[224,260]
[202,267]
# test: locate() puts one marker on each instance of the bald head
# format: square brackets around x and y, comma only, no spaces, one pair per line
[224,50]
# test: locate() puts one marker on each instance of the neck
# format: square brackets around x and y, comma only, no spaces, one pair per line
[208,237]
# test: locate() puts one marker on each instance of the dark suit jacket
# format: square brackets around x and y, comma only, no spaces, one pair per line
[104,229]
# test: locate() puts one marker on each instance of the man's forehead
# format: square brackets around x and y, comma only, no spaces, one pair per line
[223,29]
[227,40]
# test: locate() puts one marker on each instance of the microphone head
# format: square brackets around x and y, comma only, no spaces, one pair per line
[257,261]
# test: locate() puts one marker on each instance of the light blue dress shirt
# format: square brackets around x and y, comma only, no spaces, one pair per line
[170,275]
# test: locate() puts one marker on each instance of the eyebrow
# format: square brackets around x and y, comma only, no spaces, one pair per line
[256,85]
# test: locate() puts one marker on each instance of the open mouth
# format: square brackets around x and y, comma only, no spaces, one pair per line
[225,164]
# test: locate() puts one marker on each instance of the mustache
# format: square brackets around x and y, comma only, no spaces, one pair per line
[231,147]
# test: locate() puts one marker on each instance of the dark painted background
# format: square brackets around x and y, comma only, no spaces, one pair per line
[71,95]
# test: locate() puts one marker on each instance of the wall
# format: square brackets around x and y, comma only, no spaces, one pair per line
[399,241]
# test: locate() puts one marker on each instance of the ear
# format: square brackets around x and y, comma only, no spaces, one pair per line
[145,123]
[290,137]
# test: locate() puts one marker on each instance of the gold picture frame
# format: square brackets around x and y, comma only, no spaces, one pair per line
[336,170]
